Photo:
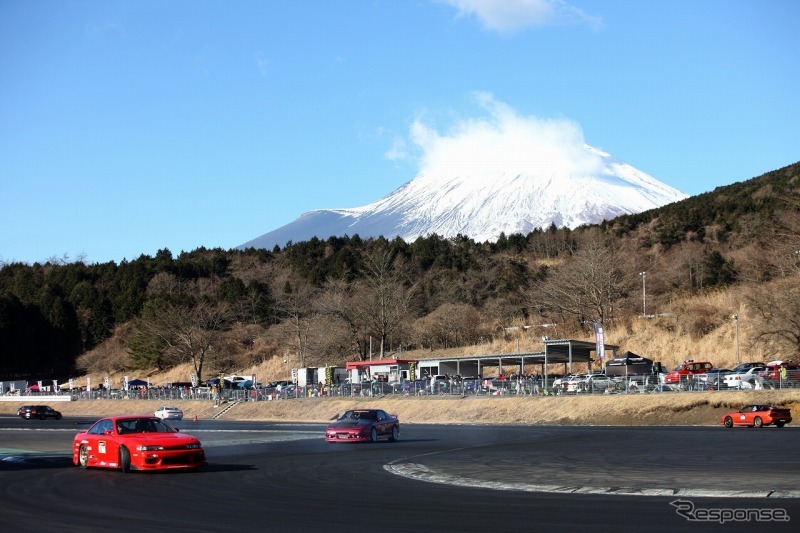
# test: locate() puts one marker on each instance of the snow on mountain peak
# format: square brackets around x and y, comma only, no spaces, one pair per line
[483,207]
[501,174]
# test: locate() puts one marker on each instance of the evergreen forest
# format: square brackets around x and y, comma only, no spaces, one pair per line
[326,301]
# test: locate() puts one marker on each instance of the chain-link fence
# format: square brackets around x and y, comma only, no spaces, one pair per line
[570,385]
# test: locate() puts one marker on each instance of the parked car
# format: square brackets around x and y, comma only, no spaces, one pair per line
[599,383]
[774,376]
[680,374]
[348,388]
[644,383]
[744,380]
[38,411]
[414,388]
[575,383]
[440,384]
[470,385]
[558,383]
[363,425]
[233,382]
[136,443]
[712,378]
[741,367]
[758,416]
[496,386]
[169,413]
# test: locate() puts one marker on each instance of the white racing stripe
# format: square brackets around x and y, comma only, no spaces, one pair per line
[423,473]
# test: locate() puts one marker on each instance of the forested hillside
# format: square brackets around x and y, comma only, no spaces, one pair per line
[328,301]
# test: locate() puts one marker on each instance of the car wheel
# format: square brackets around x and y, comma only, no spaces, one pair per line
[58,416]
[780,424]
[83,456]
[757,422]
[728,422]
[373,436]
[124,460]
[395,434]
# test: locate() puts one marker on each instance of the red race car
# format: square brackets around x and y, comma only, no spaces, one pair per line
[136,443]
[758,416]
[363,425]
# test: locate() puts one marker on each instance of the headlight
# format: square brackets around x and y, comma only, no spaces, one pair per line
[193,446]
[149,448]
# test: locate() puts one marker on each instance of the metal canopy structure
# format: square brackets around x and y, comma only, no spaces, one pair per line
[572,351]
[566,351]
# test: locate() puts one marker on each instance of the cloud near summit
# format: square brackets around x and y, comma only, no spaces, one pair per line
[508,16]
[503,142]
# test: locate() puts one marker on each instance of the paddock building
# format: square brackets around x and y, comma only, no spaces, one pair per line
[556,351]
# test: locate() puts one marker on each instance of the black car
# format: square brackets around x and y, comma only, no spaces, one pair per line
[38,411]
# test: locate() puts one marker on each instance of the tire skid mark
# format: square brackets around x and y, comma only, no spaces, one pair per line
[421,472]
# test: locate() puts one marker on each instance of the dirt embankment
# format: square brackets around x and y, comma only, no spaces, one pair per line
[703,408]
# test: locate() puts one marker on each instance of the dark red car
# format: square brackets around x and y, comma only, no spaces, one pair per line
[773,371]
[363,425]
[136,443]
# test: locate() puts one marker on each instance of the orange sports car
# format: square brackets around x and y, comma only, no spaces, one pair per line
[758,416]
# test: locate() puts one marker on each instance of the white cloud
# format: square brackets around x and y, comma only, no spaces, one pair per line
[398,151]
[262,63]
[508,16]
[505,143]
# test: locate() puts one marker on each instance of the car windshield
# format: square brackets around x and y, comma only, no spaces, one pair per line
[142,425]
[360,415]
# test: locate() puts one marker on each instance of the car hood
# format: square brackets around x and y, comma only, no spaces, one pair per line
[169,438]
[164,439]
[349,424]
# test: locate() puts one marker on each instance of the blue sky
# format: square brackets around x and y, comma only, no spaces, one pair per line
[127,127]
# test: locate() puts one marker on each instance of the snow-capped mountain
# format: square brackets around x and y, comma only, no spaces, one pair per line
[484,206]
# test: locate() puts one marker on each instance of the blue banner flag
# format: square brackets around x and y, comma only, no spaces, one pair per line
[598,335]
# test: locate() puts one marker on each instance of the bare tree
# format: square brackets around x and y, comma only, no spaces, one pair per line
[383,297]
[449,325]
[190,334]
[338,302]
[293,303]
[589,286]
[776,308]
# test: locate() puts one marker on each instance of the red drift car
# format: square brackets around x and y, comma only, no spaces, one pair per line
[363,425]
[136,443]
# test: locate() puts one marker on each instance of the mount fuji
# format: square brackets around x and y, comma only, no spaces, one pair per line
[482,205]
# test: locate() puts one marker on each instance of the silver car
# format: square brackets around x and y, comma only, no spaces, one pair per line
[169,413]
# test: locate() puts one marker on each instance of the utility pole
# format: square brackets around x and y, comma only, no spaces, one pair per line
[736,319]
[644,293]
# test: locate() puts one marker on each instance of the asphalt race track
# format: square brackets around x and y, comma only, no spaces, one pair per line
[284,477]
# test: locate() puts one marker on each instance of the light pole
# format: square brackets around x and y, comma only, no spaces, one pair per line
[736,319]
[644,293]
